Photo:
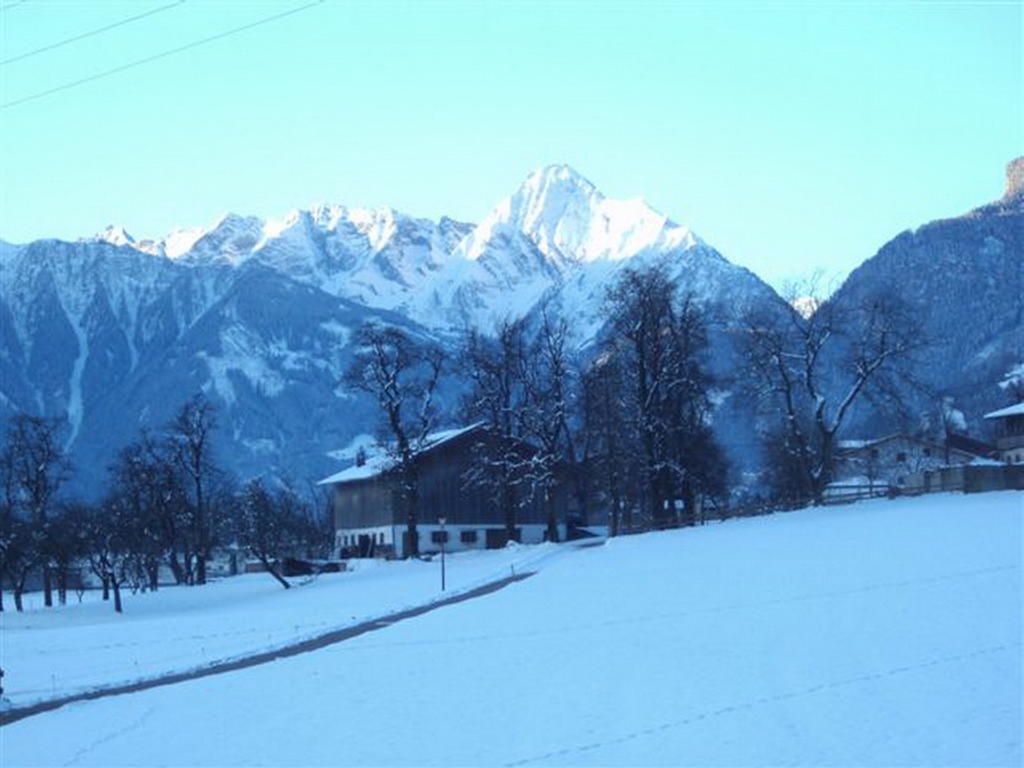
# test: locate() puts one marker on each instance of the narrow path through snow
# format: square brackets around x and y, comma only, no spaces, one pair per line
[330,638]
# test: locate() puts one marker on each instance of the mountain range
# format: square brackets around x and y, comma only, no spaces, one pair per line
[111,333]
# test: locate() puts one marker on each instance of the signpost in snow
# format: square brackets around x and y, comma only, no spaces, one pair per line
[442,519]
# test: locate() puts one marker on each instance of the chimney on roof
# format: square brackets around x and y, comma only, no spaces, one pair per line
[361,457]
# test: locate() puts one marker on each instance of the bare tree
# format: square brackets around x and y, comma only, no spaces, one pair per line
[402,375]
[19,546]
[39,469]
[546,377]
[815,366]
[146,474]
[496,368]
[659,340]
[271,525]
[190,437]
[66,545]
[108,529]
[605,423]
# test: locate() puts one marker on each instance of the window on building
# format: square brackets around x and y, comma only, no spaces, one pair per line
[468,537]
[439,536]
[901,456]
[927,451]
[874,453]
[380,538]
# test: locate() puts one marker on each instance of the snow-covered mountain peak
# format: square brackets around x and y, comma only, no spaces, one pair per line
[553,208]
[180,241]
[231,239]
[568,220]
[115,235]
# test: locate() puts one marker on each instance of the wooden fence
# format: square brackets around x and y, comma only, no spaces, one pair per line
[965,479]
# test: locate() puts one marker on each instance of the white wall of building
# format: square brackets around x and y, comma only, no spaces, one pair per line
[349,537]
[392,535]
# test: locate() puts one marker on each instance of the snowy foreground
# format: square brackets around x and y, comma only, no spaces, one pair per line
[50,653]
[882,633]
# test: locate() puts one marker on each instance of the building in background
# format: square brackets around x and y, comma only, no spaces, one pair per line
[367,503]
[889,462]
[1010,432]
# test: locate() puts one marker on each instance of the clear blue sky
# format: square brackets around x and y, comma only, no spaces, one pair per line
[789,135]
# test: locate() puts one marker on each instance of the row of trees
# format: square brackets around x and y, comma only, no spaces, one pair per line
[168,506]
[627,421]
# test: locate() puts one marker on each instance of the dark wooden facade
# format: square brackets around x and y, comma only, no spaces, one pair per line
[374,502]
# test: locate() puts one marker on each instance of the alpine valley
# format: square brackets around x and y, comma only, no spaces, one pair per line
[112,334]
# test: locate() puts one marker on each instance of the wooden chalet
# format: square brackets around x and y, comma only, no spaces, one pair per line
[1010,440]
[369,519]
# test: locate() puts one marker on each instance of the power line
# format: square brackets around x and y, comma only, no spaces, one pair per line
[8,6]
[161,55]
[84,35]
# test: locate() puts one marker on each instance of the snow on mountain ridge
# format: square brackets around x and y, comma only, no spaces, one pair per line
[109,332]
[557,237]
[115,235]
[441,273]
[570,220]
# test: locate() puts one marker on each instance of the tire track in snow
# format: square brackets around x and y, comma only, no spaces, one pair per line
[14,714]
[765,700]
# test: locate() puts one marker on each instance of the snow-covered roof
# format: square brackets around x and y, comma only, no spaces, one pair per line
[374,465]
[850,446]
[983,461]
[380,460]
[1011,410]
[857,481]
[855,444]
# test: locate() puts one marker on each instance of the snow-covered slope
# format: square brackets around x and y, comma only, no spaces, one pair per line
[180,629]
[880,634]
[112,332]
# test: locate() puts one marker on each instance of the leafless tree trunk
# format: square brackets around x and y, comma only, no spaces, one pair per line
[40,469]
[496,367]
[658,339]
[546,379]
[190,434]
[817,366]
[402,376]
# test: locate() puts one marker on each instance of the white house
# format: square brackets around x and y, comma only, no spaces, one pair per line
[890,461]
[1010,440]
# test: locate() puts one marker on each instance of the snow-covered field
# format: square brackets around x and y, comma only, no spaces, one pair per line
[49,653]
[881,633]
